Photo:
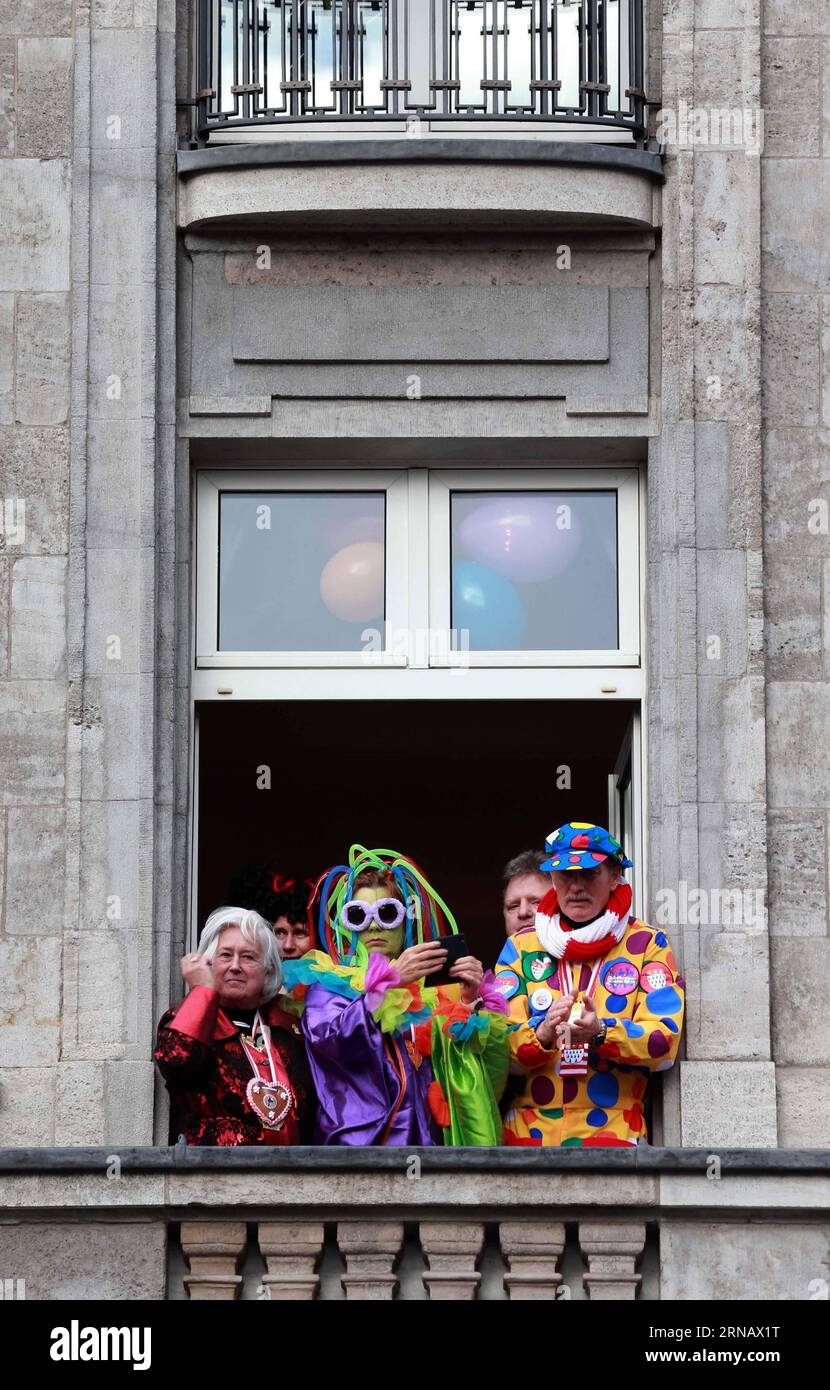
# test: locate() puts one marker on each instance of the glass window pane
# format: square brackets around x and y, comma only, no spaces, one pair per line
[300,571]
[568,54]
[612,54]
[370,46]
[534,571]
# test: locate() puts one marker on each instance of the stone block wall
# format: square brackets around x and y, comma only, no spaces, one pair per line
[94,536]
[36,67]
[87,244]
[795,281]
[707,794]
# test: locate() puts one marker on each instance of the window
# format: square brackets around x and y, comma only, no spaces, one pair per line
[296,570]
[541,571]
[421,569]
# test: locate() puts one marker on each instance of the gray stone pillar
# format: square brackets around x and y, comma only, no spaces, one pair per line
[706,803]
[796,350]
[452,1249]
[371,1250]
[213,1250]
[611,1252]
[292,1251]
[87,372]
[532,1251]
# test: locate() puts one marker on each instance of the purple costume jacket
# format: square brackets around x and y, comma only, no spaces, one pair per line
[368,1089]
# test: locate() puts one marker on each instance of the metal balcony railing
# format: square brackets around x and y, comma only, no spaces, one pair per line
[273,62]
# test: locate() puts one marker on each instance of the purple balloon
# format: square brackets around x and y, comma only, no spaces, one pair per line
[523,537]
[367,526]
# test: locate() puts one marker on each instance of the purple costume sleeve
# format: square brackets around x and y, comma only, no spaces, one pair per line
[356,1072]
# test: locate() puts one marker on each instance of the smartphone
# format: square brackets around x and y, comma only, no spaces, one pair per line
[456,947]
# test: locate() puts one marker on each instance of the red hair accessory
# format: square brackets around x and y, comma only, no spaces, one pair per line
[288,885]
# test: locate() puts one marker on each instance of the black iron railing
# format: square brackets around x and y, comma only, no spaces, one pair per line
[271,62]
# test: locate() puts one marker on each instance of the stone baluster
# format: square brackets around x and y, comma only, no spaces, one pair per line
[611,1251]
[292,1251]
[532,1250]
[371,1250]
[213,1250]
[452,1249]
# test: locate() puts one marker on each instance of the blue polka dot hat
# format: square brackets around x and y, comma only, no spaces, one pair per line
[580,845]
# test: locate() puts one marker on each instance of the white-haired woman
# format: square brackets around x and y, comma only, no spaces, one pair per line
[233,1061]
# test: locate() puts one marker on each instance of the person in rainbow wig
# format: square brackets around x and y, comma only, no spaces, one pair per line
[596,1002]
[393,1059]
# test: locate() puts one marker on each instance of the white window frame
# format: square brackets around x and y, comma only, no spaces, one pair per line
[625,482]
[625,807]
[418,568]
[210,485]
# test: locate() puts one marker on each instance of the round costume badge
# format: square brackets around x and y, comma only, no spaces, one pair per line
[541,1000]
[621,977]
[507,983]
[537,966]
[655,975]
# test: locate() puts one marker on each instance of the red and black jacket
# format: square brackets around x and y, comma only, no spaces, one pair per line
[206,1072]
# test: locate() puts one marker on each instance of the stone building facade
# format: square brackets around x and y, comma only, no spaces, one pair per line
[146,341]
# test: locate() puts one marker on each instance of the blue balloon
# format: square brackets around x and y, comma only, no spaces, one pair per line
[487,606]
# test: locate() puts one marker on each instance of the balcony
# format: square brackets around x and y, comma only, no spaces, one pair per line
[437,1224]
[573,68]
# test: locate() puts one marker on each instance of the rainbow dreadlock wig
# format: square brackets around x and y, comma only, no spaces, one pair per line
[427,916]
[393,1062]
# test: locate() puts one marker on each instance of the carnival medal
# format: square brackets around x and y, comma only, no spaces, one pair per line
[271,1102]
[574,1060]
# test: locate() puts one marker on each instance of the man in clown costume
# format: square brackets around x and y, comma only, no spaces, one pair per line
[596,1002]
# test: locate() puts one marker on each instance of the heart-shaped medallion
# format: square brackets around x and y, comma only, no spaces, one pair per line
[270,1101]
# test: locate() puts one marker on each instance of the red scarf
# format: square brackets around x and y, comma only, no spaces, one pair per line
[578,951]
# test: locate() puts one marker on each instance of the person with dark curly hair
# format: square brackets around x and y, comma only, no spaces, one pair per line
[282,901]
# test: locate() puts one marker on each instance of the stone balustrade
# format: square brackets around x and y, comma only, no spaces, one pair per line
[448,1225]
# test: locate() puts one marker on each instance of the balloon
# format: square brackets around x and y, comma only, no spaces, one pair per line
[488,606]
[524,538]
[352,583]
[367,526]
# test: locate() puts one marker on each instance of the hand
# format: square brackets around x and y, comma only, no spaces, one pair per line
[197,971]
[471,973]
[585,1027]
[556,1015]
[417,961]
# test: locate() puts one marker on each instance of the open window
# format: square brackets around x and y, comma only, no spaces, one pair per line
[447,661]
[460,785]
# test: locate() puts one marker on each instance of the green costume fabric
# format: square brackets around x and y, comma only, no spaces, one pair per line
[472,1077]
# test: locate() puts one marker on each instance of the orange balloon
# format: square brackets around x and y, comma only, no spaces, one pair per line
[352,583]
